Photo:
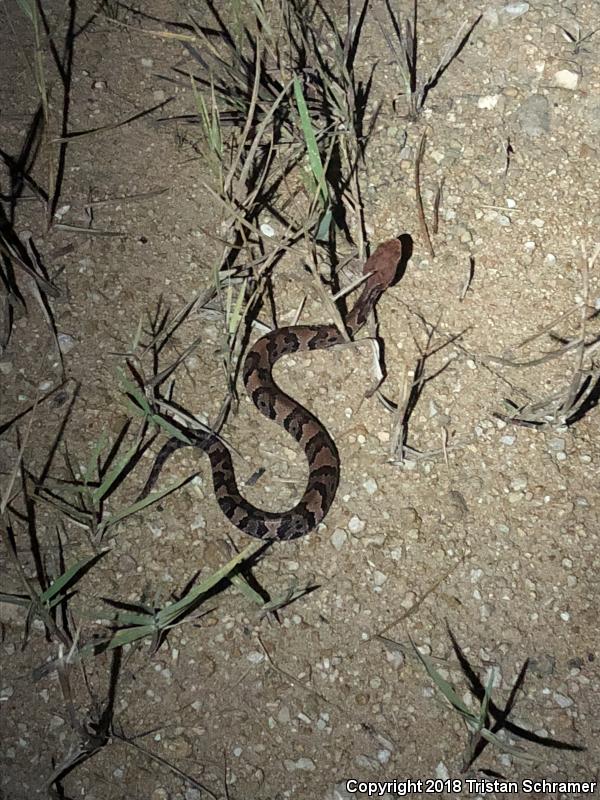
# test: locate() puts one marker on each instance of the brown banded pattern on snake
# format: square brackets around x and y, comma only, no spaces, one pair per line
[321,452]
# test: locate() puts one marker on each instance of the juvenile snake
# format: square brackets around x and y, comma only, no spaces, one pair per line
[321,452]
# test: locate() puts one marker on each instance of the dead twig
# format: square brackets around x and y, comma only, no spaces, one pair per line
[565,406]
[419,198]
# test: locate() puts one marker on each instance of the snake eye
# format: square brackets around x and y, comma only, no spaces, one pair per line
[295,428]
[264,402]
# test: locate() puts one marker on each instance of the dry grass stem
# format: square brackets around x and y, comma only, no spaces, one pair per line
[418,196]
[565,406]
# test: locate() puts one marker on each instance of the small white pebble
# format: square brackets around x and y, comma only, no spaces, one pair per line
[60,212]
[65,342]
[566,79]
[356,525]
[267,230]
[301,763]
[516,9]
[441,772]
[339,538]
[370,485]
[379,578]
[561,700]
[255,657]
[488,101]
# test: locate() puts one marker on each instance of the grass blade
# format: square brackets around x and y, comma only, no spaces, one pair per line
[312,148]
[445,688]
[52,594]
[167,614]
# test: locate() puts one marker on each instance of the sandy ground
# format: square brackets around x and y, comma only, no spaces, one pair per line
[491,530]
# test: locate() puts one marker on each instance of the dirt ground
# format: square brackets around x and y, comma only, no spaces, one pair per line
[486,529]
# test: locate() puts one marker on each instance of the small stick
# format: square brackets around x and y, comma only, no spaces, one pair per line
[587,264]
[436,206]
[399,421]
[469,280]
[546,328]
[420,210]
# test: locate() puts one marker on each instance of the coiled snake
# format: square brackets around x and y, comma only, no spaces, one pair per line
[321,452]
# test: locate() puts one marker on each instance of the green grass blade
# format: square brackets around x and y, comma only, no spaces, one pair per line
[54,591]
[210,122]
[91,467]
[284,599]
[84,517]
[130,635]
[442,684]
[513,750]
[169,613]
[240,583]
[113,475]
[312,148]
[134,390]
[138,506]
[322,234]
[15,599]
[234,315]
[131,619]
[163,423]
[137,336]
[141,407]
[485,703]
[28,8]
[118,639]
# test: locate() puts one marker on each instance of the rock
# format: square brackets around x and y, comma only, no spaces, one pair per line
[514,10]
[561,700]
[339,538]
[488,101]
[566,79]
[65,342]
[533,115]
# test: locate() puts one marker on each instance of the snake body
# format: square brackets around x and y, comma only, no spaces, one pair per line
[273,403]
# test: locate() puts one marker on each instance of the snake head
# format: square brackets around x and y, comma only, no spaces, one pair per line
[382,265]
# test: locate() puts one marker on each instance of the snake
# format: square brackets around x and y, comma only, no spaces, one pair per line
[320,450]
